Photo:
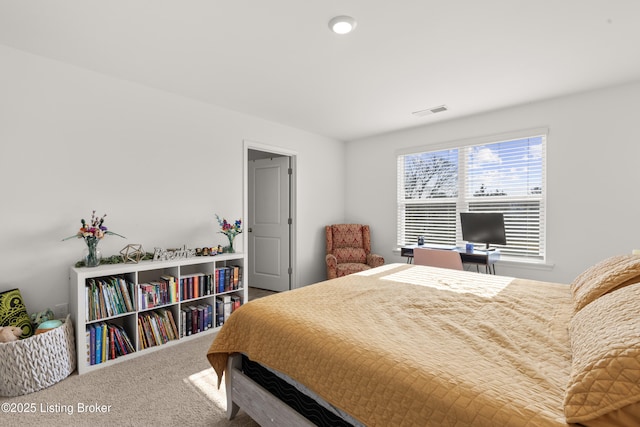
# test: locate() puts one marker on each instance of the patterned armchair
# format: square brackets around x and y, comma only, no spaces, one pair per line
[349,250]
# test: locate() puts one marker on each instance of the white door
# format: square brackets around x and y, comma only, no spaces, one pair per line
[269,227]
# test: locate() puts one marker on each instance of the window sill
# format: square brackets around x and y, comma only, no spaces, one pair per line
[519,263]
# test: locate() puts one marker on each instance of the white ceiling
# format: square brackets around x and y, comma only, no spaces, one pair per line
[277,59]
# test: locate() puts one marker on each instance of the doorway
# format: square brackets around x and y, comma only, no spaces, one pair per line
[270,213]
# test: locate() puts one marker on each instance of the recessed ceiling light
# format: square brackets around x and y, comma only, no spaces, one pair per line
[342,24]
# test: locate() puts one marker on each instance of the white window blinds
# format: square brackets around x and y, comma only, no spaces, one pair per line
[503,176]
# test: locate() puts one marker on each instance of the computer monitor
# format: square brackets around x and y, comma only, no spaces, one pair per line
[483,227]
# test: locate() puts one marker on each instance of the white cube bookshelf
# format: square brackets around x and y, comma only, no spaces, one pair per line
[146,272]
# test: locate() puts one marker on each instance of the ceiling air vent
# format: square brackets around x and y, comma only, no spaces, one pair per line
[429,111]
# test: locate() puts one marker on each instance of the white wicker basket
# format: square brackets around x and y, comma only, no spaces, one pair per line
[37,362]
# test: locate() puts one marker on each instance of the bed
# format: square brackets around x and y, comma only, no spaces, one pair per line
[414,345]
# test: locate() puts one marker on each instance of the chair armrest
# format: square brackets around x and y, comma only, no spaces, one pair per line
[374,260]
[332,266]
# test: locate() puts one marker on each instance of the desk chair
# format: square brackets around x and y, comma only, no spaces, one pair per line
[437,258]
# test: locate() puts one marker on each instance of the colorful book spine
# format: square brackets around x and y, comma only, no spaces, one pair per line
[92,332]
[107,341]
[107,297]
[157,327]
[98,350]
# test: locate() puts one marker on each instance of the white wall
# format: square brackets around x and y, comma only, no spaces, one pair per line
[593,153]
[158,164]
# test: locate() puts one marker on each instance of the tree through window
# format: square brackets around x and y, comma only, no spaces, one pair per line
[503,176]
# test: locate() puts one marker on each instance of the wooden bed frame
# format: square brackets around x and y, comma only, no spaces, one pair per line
[258,403]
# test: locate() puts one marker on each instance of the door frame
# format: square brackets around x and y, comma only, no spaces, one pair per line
[253,145]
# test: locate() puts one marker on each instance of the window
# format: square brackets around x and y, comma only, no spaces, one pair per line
[494,175]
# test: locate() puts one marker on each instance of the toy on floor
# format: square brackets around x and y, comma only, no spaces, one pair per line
[9,333]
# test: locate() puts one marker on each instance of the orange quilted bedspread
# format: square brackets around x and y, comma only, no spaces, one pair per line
[409,345]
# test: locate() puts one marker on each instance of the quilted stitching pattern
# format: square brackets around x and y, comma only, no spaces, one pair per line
[605,340]
[605,276]
[394,354]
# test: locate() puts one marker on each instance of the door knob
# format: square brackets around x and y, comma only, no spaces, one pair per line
[250,230]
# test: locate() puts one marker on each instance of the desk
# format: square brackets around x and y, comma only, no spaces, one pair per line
[477,257]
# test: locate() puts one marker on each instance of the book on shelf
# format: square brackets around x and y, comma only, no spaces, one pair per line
[107,297]
[164,328]
[183,323]
[124,288]
[164,308]
[170,323]
[98,349]
[186,286]
[123,344]
[172,286]
[108,341]
[219,313]
[92,344]
[225,305]
[202,318]
[104,342]
[112,344]
[195,285]
[219,280]
[228,278]
[157,293]
[156,327]
[142,337]
[145,327]
[237,277]
[118,345]
[187,321]
[195,319]
[228,306]
[87,340]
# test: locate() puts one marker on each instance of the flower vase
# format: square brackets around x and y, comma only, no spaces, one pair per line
[92,255]
[229,249]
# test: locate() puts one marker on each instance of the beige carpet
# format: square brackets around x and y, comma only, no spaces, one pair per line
[170,387]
